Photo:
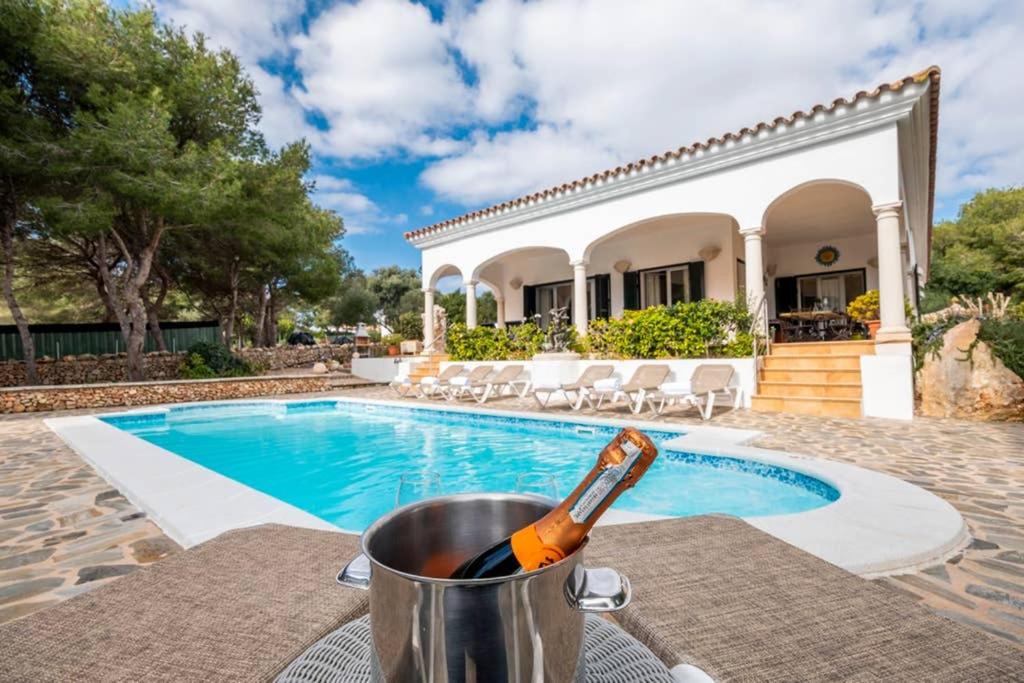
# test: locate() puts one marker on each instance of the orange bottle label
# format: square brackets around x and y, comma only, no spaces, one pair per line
[532,552]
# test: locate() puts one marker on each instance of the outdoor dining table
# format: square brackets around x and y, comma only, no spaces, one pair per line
[821,322]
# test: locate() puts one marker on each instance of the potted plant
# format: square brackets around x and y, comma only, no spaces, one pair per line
[392,341]
[864,309]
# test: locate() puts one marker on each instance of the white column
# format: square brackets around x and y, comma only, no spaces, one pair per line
[753,258]
[470,304]
[428,317]
[500,301]
[580,309]
[890,275]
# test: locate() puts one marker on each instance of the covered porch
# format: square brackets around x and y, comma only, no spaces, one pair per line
[796,218]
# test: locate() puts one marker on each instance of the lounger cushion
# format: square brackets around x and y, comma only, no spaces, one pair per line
[608,384]
[675,388]
[237,608]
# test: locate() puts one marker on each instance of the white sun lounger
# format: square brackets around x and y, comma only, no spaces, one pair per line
[457,387]
[707,381]
[433,387]
[581,388]
[483,389]
[647,378]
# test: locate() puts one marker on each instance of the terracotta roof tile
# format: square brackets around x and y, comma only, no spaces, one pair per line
[931,74]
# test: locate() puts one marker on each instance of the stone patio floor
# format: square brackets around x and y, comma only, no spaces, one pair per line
[64,530]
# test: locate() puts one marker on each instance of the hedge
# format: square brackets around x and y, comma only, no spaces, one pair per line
[706,328]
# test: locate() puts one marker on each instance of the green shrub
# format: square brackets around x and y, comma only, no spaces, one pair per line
[391,340]
[217,359]
[520,342]
[1006,339]
[410,325]
[685,330]
[193,367]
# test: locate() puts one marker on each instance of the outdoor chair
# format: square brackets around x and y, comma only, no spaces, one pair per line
[707,381]
[647,378]
[433,387]
[453,389]
[581,388]
[483,389]
[402,384]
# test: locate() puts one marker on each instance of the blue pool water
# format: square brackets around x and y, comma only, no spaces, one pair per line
[342,461]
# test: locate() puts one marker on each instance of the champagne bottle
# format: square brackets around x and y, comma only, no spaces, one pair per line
[556,535]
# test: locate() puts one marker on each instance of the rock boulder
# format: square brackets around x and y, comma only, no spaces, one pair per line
[977,388]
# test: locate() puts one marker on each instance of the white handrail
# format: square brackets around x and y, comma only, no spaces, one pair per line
[760,320]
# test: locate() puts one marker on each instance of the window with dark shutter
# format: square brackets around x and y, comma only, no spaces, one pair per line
[631,290]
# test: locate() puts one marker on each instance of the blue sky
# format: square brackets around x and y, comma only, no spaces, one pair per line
[417,112]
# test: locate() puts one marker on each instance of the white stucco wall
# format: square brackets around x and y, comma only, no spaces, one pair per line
[378,369]
[744,192]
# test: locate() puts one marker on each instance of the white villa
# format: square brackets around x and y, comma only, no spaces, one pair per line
[748,214]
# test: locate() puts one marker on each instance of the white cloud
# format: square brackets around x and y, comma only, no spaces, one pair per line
[361,214]
[252,29]
[515,162]
[381,73]
[600,82]
[608,82]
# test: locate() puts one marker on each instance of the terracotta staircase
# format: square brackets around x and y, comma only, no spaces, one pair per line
[812,378]
[429,366]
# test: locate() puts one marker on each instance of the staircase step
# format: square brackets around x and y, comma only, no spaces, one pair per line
[809,376]
[809,389]
[812,362]
[833,348]
[822,407]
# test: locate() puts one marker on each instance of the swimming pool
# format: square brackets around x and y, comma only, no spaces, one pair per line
[342,461]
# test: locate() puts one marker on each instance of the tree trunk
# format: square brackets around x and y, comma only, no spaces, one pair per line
[153,315]
[259,334]
[271,320]
[7,223]
[229,323]
[126,293]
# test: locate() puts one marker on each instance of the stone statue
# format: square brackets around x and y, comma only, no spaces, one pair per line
[440,330]
[558,331]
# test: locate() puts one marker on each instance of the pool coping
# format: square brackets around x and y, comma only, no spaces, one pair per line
[880,525]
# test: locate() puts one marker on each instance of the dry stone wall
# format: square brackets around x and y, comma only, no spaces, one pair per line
[88,369]
[37,399]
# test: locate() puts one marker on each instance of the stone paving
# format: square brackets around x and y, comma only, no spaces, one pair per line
[63,530]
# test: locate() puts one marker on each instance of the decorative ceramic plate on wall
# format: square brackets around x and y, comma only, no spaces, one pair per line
[827,256]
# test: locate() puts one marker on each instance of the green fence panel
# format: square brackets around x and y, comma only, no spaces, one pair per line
[56,341]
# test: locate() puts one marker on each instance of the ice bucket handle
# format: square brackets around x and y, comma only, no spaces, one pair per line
[598,589]
[356,573]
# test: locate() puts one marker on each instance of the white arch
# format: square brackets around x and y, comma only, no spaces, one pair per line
[589,249]
[444,270]
[797,189]
[478,270]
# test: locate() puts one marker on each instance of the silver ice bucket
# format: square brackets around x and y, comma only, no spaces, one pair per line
[522,628]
